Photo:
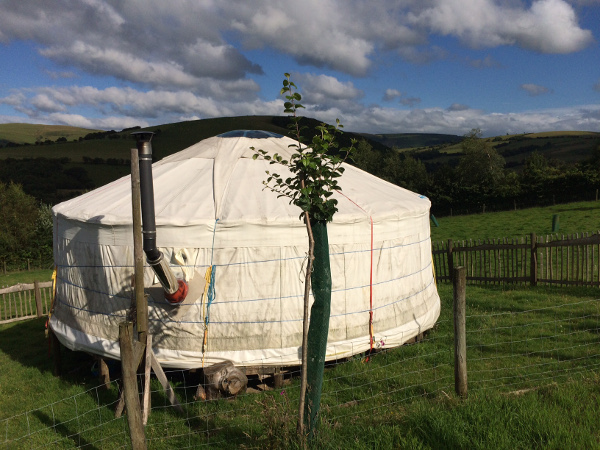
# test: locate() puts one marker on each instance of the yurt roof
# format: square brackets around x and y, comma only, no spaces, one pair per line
[217,179]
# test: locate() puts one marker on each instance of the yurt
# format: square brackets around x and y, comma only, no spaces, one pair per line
[242,251]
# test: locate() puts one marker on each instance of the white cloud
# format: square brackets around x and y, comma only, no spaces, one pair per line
[548,26]
[391,94]
[129,105]
[534,90]
[170,45]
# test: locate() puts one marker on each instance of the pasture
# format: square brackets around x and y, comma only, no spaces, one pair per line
[533,373]
[573,217]
[533,382]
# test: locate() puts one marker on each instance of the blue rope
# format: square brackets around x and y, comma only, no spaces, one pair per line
[211,285]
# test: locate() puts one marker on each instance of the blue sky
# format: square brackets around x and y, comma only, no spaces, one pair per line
[429,66]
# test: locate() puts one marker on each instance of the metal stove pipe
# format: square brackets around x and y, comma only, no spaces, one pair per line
[175,290]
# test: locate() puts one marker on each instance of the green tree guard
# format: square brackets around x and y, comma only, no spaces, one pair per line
[318,329]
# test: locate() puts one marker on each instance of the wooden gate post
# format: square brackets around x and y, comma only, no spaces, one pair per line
[460,331]
[38,299]
[533,261]
[450,257]
[130,387]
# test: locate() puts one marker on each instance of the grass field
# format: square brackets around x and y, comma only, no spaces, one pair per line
[533,358]
[533,374]
[27,133]
[12,278]
[573,218]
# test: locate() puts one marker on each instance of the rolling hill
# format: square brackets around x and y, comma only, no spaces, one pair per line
[84,159]
[27,133]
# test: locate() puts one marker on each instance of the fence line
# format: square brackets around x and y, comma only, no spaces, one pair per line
[572,260]
[24,301]
[512,346]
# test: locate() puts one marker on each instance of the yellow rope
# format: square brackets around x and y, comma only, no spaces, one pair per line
[205,302]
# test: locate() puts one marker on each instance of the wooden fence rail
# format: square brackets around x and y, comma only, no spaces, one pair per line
[24,301]
[559,260]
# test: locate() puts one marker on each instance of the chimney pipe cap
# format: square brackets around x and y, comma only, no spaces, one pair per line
[143,136]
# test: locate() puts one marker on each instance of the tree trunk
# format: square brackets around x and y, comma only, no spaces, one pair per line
[303,370]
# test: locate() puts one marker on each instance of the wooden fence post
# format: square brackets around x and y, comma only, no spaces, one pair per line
[38,299]
[460,330]
[141,302]
[533,261]
[450,259]
[130,387]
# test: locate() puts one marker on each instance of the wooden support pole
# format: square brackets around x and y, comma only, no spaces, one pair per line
[160,374]
[130,387]
[138,353]
[278,378]
[38,299]
[141,301]
[146,405]
[460,330]
[103,372]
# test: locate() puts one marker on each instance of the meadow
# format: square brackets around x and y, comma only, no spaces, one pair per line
[574,218]
[533,383]
[533,372]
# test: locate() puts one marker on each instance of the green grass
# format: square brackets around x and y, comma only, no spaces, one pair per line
[533,383]
[12,278]
[574,218]
[26,133]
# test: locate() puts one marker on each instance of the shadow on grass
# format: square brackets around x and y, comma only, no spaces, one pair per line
[64,430]
[25,343]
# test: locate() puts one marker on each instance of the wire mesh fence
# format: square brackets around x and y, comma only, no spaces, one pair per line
[517,340]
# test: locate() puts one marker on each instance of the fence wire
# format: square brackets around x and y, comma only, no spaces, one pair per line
[513,344]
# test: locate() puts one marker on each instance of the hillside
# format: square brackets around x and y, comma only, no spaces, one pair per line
[413,140]
[27,133]
[56,171]
[563,146]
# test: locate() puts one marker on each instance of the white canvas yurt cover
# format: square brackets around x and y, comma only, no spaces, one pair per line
[243,252]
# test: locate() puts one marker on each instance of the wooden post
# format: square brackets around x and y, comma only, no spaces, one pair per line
[103,372]
[130,387]
[449,251]
[278,378]
[533,261]
[460,330]
[146,405]
[38,299]
[141,301]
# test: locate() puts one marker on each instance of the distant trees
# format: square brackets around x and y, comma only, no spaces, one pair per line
[18,217]
[478,178]
[25,226]
[481,168]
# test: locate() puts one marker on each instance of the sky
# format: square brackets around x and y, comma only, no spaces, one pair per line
[380,66]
